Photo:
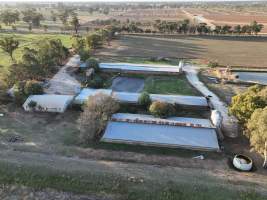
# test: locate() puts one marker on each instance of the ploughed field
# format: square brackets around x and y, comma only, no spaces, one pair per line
[231,17]
[228,51]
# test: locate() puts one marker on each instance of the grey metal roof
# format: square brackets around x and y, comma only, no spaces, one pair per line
[130,97]
[87,92]
[204,122]
[141,67]
[161,135]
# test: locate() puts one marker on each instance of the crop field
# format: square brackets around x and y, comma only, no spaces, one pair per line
[228,51]
[231,17]
[143,15]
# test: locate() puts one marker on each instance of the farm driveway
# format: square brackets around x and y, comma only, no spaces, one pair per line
[229,124]
[126,84]
[63,82]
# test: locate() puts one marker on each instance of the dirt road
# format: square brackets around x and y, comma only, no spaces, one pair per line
[229,124]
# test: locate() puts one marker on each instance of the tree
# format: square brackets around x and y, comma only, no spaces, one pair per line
[161,109]
[78,43]
[244,104]
[237,29]
[33,87]
[75,23]
[93,41]
[45,28]
[9,17]
[9,45]
[31,16]
[144,99]
[257,132]
[3,89]
[256,27]
[96,113]
[93,63]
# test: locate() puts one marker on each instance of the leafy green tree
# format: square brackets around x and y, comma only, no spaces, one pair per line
[45,28]
[3,89]
[256,27]
[9,45]
[144,99]
[96,113]
[9,17]
[218,29]
[78,43]
[33,87]
[244,104]
[237,29]
[93,63]
[31,16]
[19,94]
[93,41]
[75,23]
[257,132]
[161,109]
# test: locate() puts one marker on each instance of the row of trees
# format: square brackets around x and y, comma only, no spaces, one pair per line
[185,27]
[68,18]
[250,108]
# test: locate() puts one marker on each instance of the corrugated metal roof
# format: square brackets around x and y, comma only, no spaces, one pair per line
[203,122]
[141,67]
[49,102]
[130,97]
[87,92]
[161,135]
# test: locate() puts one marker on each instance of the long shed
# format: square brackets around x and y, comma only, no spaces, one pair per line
[48,103]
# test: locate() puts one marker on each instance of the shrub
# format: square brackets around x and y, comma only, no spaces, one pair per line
[144,99]
[96,113]
[19,94]
[213,64]
[257,132]
[93,63]
[96,82]
[244,104]
[33,87]
[3,89]
[161,109]
[84,54]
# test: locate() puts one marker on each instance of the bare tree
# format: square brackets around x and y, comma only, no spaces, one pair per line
[96,113]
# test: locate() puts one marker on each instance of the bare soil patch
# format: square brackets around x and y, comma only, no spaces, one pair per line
[127,84]
[228,51]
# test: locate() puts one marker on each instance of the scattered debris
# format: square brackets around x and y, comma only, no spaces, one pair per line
[201,157]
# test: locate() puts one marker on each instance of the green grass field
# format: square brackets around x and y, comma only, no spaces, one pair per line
[29,40]
[169,85]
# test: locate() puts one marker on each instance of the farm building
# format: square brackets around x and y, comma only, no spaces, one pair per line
[189,133]
[142,68]
[129,97]
[48,103]
[87,92]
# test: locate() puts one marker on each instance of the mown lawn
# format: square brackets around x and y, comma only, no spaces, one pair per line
[29,40]
[169,85]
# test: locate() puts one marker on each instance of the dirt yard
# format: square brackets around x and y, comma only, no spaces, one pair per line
[232,51]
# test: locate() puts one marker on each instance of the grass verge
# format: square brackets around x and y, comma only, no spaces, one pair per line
[120,186]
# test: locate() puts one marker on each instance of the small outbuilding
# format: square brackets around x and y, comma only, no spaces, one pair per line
[48,103]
